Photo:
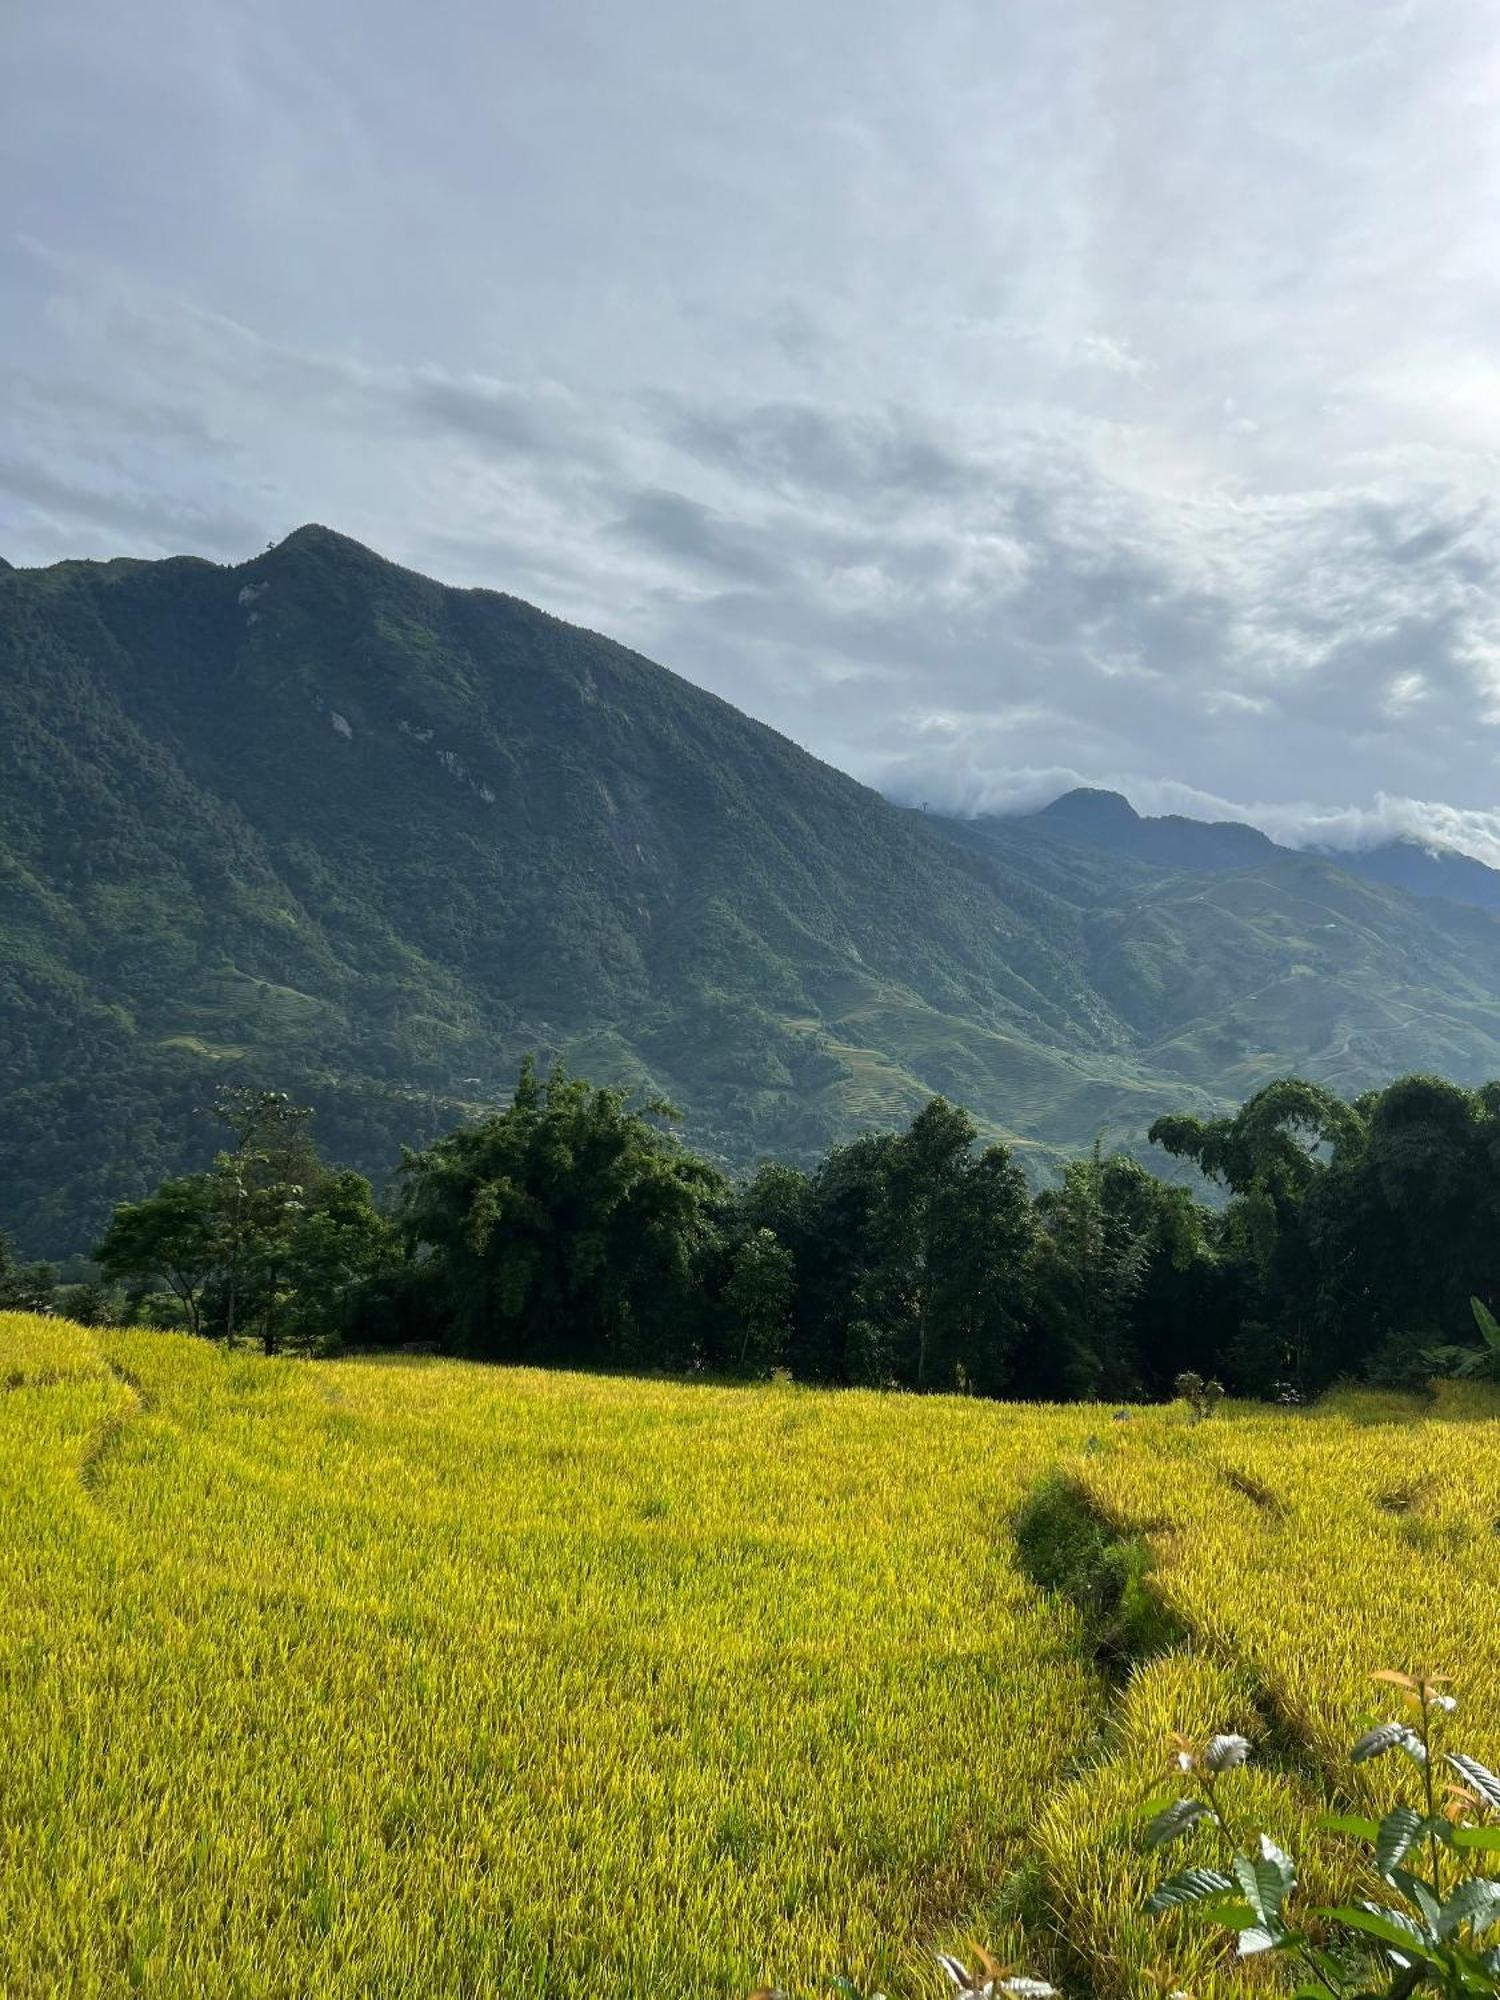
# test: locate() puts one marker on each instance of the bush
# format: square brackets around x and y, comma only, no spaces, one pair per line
[1427,1923]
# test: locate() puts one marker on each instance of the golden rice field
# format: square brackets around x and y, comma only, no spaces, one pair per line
[406,1677]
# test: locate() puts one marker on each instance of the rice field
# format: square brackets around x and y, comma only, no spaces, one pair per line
[400,1676]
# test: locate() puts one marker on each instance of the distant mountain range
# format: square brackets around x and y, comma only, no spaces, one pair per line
[1105,819]
[317,821]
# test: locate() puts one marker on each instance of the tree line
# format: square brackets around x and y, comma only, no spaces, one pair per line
[1337,1239]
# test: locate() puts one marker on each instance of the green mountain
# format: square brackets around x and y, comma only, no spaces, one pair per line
[317,821]
[1227,976]
[1105,819]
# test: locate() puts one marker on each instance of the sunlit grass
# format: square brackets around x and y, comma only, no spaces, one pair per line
[408,1678]
[398,1676]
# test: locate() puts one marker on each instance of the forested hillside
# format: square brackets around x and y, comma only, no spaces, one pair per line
[317,822]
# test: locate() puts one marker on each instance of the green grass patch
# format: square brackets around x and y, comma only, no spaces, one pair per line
[1068,1548]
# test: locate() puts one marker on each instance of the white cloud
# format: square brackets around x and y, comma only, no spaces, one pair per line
[1025,397]
[1297,824]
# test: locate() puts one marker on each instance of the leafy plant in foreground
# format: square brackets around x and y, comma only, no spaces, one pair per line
[1475,1364]
[1428,1924]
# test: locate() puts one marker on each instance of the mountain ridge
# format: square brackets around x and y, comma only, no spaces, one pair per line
[317,820]
[1105,818]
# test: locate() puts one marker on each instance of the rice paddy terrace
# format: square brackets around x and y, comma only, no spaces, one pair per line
[404,1677]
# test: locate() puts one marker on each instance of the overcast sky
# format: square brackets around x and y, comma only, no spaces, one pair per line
[988,394]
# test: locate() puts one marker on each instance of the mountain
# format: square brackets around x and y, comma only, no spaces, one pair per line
[1426,871]
[1225,977]
[316,821]
[1105,819]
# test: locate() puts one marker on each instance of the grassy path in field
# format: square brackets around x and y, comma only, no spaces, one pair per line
[1313,1547]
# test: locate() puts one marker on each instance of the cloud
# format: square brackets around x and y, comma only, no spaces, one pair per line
[1027,403]
[1298,824]
[70,504]
[693,537]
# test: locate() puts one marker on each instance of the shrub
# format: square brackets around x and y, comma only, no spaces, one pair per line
[1425,1925]
[1202,1397]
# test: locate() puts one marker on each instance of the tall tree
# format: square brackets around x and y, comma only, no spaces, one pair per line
[827,1223]
[1404,1230]
[268,1241]
[1274,1156]
[263,1179]
[567,1227]
[1096,1249]
[757,1297]
[173,1238]
[951,1238]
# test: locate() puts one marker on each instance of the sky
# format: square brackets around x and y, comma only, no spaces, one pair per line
[992,395]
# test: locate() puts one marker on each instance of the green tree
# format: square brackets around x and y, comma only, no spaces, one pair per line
[826,1221]
[262,1183]
[758,1297]
[331,1248]
[1277,1157]
[1404,1230]
[173,1238]
[1096,1247]
[90,1303]
[24,1287]
[567,1227]
[267,1241]
[951,1235]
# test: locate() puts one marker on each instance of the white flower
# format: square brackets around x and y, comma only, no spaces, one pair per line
[976,1986]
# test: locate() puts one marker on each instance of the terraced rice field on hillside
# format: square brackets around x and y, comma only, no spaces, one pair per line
[406,1677]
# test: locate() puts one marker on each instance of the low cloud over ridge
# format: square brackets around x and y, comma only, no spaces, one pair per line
[1346,829]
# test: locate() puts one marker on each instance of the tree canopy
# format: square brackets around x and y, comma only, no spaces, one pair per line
[1322,1238]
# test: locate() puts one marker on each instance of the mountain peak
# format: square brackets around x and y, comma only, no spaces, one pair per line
[312,539]
[1105,819]
[1090,809]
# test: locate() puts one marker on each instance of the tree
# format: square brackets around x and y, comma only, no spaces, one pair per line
[268,1240]
[951,1233]
[827,1222]
[24,1287]
[1404,1231]
[1277,1155]
[173,1238]
[758,1298]
[1097,1246]
[917,1225]
[1278,1141]
[262,1182]
[89,1303]
[567,1227]
[335,1248]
